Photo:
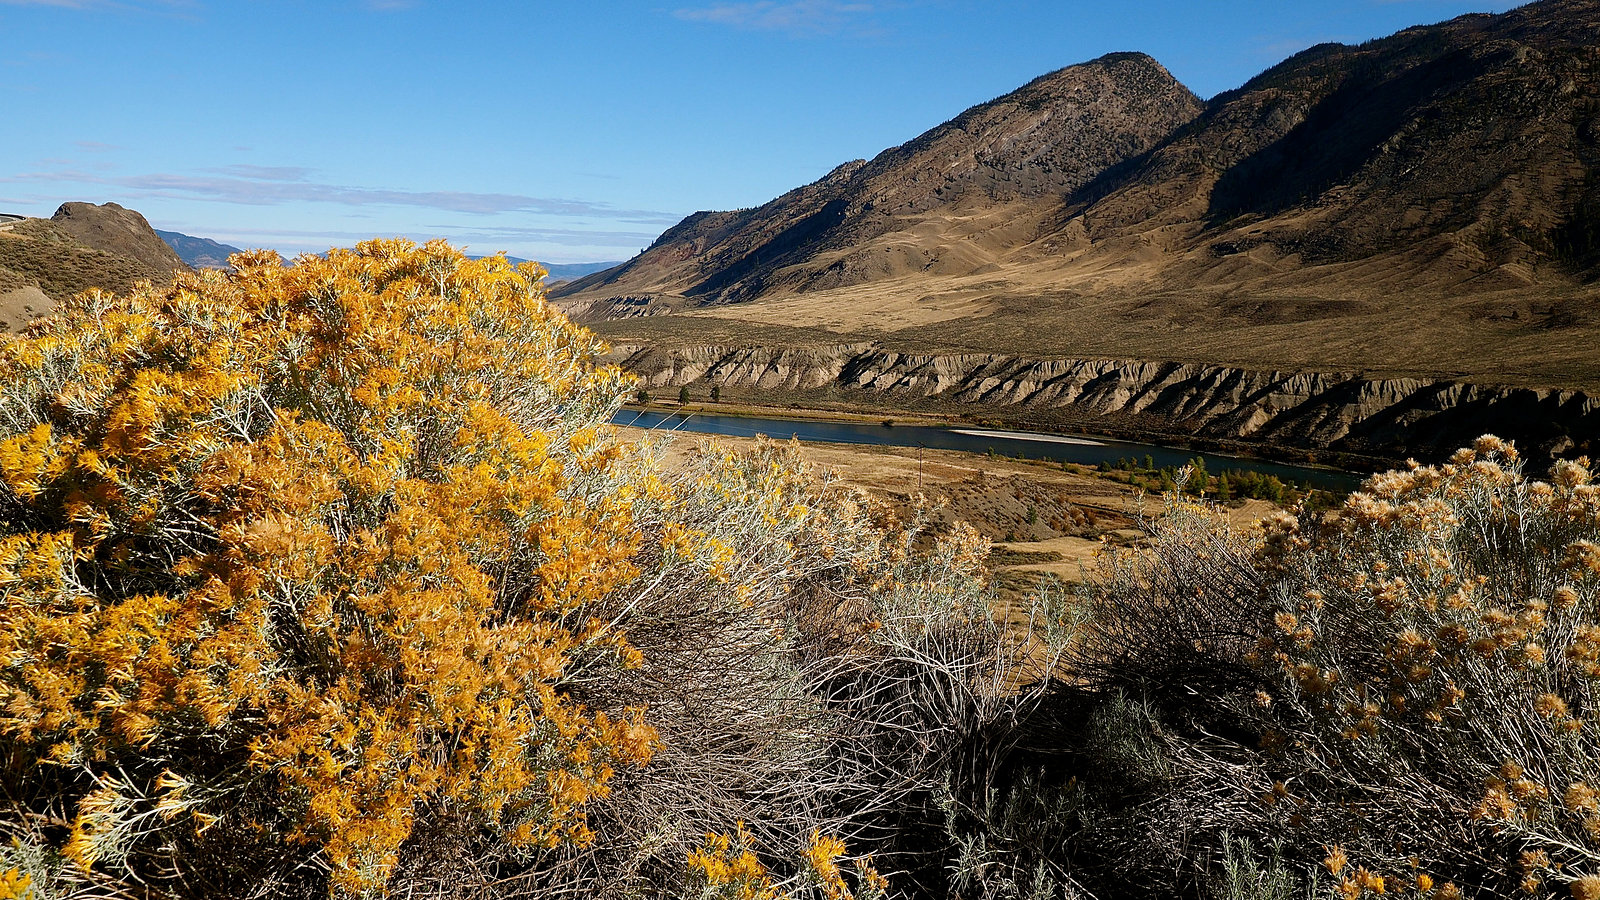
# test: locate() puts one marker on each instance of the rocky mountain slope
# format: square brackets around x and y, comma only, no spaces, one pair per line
[1462,155]
[82,246]
[1422,207]
[861,222]
[1470,146]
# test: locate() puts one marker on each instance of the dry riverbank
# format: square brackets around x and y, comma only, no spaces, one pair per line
[1044,519]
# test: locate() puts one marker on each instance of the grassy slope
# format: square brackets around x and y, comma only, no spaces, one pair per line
[36,251]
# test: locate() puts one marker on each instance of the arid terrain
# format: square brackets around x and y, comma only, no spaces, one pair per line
[83,246]
[1044,519]
[1420,212]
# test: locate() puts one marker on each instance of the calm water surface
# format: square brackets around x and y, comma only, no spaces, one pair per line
[1074,448]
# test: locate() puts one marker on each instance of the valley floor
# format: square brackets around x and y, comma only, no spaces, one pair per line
[1044,519]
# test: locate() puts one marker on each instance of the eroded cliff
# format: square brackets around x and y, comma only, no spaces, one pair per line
[1341,416]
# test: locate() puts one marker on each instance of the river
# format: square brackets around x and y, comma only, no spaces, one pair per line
[1074,448]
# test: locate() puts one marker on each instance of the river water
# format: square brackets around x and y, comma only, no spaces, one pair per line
[1074,448]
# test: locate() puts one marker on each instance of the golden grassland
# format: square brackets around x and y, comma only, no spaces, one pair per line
[1544,337]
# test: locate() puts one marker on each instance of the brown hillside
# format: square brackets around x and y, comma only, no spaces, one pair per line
[1426,203]
[989,170]
[114,229]
[1482,131]
[43,261]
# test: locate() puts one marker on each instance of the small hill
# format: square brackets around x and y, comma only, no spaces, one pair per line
[114,229]
[83,246]
[198,252]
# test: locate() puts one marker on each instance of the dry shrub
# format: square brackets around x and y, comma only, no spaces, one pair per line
[1398,695]
[331,578]
[813,677]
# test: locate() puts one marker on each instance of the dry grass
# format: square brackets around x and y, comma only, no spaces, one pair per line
[36,251]
[1331,318]
[19,306]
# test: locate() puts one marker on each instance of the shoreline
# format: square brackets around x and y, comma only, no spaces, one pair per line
[1292,456]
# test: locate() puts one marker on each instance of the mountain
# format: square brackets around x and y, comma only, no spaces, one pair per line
[940,204]
[198,252]
[83,246]
[570,271]
[1473,143]
[1392,208]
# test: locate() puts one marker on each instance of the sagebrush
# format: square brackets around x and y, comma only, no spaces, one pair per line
[331,577]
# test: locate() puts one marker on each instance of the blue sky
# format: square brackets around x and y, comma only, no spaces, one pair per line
[559,131]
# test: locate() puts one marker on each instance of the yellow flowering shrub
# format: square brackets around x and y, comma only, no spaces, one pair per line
[332,578]
[1436,638]
[294,555]
[14,885]
[727,869]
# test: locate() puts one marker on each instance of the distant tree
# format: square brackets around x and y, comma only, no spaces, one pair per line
[641,396]
[1272,489]
[683,394]
[716,393]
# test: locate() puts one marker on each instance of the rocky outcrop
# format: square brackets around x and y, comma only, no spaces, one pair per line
[1345,414]
[111,228]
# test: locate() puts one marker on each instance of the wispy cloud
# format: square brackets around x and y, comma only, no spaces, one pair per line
[272,185]
[590,244]
[800,17]
[95,146]
[574,237]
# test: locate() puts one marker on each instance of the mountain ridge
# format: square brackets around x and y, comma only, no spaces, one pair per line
[1052,134]
[198,252]
[1395,205]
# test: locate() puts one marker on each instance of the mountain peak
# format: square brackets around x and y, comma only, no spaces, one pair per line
[1037,144]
